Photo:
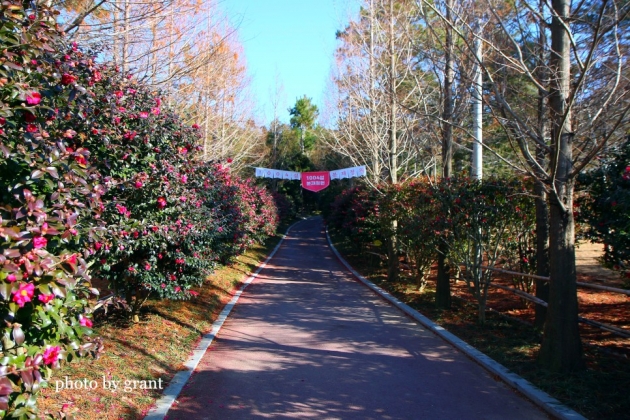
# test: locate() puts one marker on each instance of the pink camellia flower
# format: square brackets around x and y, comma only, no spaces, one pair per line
[51,354]
[45,298]
[158,101]
[119,94]
[132,269]
[24,294]
[116,120]
[184,178]
[155,111]
[220,229]
[138,184]
[163,285]
[182,198]
[192,292]
[86,322]
[98,245]
[39,242]
[144,114]
[11,278]
[147,266]
[161,202]
[73,259]
[178,289]
[33,98]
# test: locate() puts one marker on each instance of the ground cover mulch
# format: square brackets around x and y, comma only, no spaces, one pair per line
[143,357]
[599,392]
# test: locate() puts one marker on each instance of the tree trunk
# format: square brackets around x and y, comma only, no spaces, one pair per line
[561,348]
[542,253]
[443,283]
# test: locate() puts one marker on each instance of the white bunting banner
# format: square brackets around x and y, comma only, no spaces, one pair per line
[277,174]
[353,172]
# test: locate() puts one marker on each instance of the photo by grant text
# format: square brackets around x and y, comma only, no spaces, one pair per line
[126,385]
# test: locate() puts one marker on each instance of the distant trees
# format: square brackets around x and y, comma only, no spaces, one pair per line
[188,51]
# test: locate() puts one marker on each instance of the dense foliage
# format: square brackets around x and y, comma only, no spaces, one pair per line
[483,224]
[97,179]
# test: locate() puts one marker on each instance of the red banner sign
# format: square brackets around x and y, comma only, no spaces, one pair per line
[315,181]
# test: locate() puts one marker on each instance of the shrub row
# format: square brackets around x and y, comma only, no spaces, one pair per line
[487,223]
[97,179]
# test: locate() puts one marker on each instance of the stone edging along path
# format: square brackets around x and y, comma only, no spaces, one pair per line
[542,399]
[546,402]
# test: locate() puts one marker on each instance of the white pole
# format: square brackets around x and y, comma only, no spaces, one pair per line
[477,156]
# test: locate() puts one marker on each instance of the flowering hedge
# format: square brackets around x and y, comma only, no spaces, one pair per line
[95,173]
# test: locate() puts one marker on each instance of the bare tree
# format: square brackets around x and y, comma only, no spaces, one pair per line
[585,91]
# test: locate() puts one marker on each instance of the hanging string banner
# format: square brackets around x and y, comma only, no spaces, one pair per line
[348,172]
[312,181]
[277,174]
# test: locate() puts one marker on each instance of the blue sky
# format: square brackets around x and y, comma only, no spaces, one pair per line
[291,41]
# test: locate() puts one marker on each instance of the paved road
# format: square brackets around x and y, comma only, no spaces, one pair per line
[307,341]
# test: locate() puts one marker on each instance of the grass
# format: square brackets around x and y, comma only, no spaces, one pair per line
[599,392]
[153,349]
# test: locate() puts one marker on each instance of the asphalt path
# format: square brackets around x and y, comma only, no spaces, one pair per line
[306,340]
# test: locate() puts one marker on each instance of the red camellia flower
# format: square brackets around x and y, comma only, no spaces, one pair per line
[39,242]
[24,294]
[45,298]
[51,354]
[80,160]
[3,121]
[33,98]
[161,202]
[229,160]
[31,128]
[195,126]
[68,79]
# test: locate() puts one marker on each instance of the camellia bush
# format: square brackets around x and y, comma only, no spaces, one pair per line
[51,206]
[604,208]
[170,218]
[414,208]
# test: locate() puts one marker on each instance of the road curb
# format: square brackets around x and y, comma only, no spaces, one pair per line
[176,385]
[549,404]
